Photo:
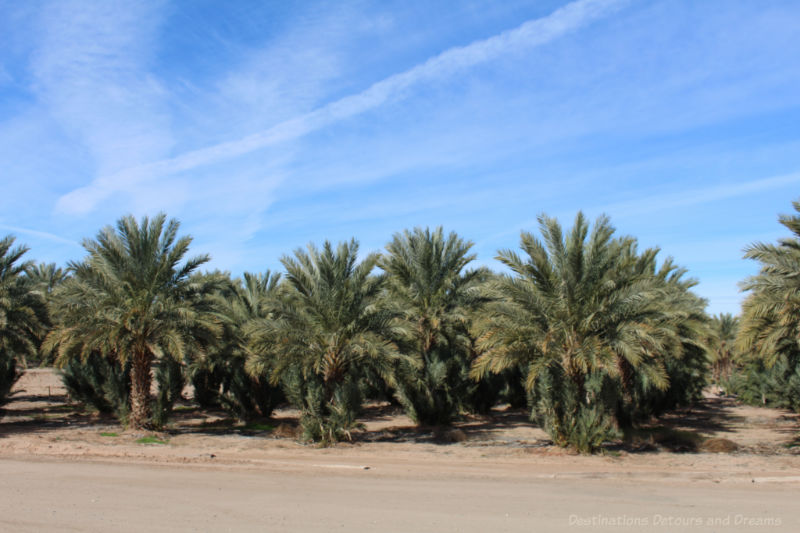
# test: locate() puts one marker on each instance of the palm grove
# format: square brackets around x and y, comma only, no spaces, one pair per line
[585,330]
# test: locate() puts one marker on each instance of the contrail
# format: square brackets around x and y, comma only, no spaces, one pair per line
[37,233]
[530,34]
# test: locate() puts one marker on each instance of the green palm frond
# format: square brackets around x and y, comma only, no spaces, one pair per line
[133,298]
[770,327]
[437,297]
[324,328]
[585,303]
[23,313]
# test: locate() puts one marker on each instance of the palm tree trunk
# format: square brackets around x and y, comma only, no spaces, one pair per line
[622,415]
[140,390]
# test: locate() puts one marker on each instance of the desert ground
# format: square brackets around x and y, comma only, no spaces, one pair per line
[718,466]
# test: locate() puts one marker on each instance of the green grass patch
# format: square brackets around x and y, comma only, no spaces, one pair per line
[150,440]
[109,434]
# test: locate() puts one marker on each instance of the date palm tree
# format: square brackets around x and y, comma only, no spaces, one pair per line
[45,278]
[428,282]
[133,298]
[325,330]
[724,327]
[770,324]
[23,314]
[219,374]
[587,318]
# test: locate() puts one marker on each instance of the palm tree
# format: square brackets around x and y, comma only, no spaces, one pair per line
[326,329]
[724,327]
[769,332]
[45,278]
[133,299]
[221,370]
[23,314]
[587,319]
[679,315]
[770,325]
[428,283]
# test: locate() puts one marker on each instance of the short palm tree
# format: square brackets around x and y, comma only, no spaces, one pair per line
[770,323]
[133,298]
[45,278]
[324,331]
[583,315]
[428,282]
[724,327]
[221,370]
[23,314]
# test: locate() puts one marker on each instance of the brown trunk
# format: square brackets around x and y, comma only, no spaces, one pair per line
[626,378]
[333,375]
[622,417]
[140,390]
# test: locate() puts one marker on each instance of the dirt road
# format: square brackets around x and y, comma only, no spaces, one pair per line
[64,469]
[39,496]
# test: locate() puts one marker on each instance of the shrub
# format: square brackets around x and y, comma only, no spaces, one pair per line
[247,397]
[102,383]
[170,380]
[8,376]
[325,418]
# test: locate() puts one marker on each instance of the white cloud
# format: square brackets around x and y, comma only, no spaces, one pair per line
[697,196]
[36,233]
[530,34]
[90,70]
[286,77]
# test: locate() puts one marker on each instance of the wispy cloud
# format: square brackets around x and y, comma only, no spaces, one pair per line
[697,196]
[530,34]
[644,205]
[288,75]
[90,70]
[36,233]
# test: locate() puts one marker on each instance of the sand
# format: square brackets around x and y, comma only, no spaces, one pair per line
[66,470]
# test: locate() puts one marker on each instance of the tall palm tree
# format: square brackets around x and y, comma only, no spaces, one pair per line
[770,324]
[428,282]
[684,328]
[23,314]
[133,298]
[585,316]
[324,331]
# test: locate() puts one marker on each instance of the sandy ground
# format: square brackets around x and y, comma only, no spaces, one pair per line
[65,470]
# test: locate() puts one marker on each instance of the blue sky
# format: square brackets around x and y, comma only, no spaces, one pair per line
[263,126]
